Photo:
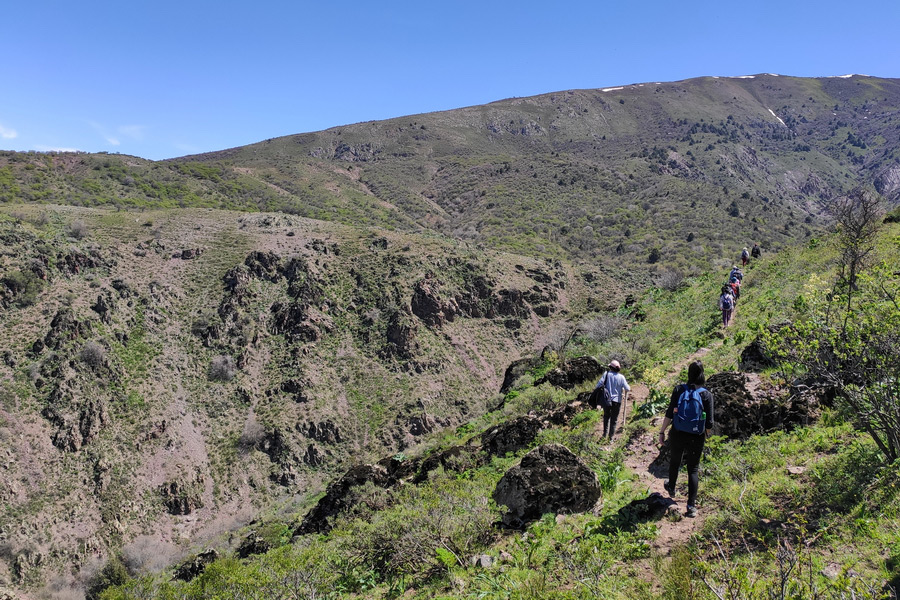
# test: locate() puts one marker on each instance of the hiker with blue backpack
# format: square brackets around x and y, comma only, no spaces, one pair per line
[726,304]
[690,413]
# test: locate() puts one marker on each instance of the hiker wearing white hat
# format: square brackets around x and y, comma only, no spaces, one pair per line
[616,395]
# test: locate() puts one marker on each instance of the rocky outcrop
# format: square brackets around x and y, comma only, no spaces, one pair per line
[264,265]
[182,496]
[325,432]
[550,479]
[744,407]
[518,369]
[511,436]
[574,372]
[74,262]
[755,357]
[73,431]
[63,328]
[338,498]
[428,305]
[194,566]
[294,321]
[401,337]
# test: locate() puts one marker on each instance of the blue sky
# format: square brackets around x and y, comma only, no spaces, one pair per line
[163,79]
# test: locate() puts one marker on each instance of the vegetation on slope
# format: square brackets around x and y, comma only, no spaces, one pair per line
[812,512]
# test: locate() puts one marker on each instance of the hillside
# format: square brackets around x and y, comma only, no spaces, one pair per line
[168,374]
[196,353]
[611,175]
[796,502]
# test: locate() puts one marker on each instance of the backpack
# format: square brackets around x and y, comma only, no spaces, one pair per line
[600,396]
[745,254]
[727,302]
[689,415]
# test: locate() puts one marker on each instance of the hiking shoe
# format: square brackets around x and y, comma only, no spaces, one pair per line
[691,512]
[670,489]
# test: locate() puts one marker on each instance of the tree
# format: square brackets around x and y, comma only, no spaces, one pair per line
[852,349]
[858,217]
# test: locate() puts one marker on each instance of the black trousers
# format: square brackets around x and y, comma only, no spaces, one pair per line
[610,416]
[687,447]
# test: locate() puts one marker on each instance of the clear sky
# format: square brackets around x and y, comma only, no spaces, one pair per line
[161,78]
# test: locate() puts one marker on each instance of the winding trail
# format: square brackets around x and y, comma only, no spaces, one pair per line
[651,469]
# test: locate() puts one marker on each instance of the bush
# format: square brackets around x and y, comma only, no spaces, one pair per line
[222,368]
[93,353]
[78,230]
[671,281]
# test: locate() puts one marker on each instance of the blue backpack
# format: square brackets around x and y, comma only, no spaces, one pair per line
[689,414]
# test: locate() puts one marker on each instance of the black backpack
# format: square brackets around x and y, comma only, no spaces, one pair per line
[600,396]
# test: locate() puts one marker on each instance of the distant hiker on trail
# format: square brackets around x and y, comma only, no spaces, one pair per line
[735,284]
[616,394]
[737,273]
[756,252]
[726,304]
[691,414]
[745,257]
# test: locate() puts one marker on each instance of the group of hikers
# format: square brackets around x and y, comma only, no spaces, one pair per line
[731,291]
[691,406]
[690,413]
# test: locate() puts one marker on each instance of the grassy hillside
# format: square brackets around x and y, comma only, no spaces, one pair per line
[684,170]
[806,512]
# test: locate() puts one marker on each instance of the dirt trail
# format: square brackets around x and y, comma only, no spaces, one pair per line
[641,458]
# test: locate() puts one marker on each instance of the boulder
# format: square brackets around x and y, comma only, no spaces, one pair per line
[745,407]
[518,369]
[550,479]
[193,567]
[574,372]
[511,436]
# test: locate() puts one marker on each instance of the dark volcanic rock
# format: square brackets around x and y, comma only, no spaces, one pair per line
[428,305]
[511,436]
[518,369]
[189,569]
[293,320]
[574,372]
[401,336]
[264,265]
[550,479]
[338,497]
[755,357]
[182,497]
[744,408]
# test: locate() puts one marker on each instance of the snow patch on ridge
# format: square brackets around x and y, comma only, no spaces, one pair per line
[612,89]
[777,117]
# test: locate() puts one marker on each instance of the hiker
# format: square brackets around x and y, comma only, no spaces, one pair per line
[745,256]
[735,285]
[737,273]
[691,414]
[756,252]
[726,304]
[617,389]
